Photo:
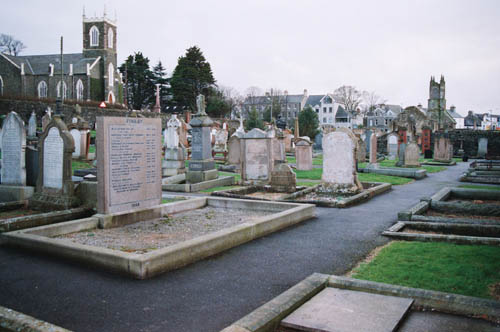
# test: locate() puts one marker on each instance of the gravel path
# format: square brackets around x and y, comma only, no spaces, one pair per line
[145,236]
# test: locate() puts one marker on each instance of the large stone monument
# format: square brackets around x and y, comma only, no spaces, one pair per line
[482,147]
[303,154]
[443,149]
[55,189]
[392,146]
[257,157]
[412,154]
[175,153]
[339,163]
[129,168]
[202,165]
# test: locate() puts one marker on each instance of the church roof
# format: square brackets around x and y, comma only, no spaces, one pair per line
[39,64]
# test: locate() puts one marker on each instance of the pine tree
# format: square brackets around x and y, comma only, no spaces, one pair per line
[192,76]
[160,77]
[254,121]
[308,123]
[139,81]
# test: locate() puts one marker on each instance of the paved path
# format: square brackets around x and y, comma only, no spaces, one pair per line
[213,293]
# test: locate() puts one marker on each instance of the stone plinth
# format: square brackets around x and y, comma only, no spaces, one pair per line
[412,154]
[283,179]
[257,158]
[174,162]
[55,189]
[339,163]
[129,168]
[303,154]
[202,165]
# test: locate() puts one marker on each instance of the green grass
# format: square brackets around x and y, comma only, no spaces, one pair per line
[76,164]
[211,190]
[392,163]
[372,177]
[316,161]
[461,269]
[92,149]
[433,169]
[92,133]
[170,200]
[236,176]
[314,174]
[306,184]
[476,186]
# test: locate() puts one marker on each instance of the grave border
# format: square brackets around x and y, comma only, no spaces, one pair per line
[168,258]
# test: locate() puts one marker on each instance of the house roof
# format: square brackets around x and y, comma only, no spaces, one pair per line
[293,98]
[39,64]
[341,113]
[314,100]
[454,113]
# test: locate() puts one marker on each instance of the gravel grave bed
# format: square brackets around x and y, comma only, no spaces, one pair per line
[475,201]
[149,235]
[17,213]
[266,195]
[433,213]
[323,198]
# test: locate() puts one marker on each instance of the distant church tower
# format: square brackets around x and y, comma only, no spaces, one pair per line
[437,101]
[99,40]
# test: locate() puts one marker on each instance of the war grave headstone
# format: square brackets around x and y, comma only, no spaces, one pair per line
[175,153]
[13,173]
[303,154]
[401,155]
[55,188]
[392,146]
[412,154]
[257,159]
[482,147]
[129,168]
[373,151]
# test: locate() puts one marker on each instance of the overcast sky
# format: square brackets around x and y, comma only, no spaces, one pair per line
[391,47]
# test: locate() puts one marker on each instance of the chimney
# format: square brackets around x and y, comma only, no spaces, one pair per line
[70,69]
[305,92]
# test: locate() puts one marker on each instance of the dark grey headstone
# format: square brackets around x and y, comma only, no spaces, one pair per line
[318,141]
[31,166]
[201,145]
[401,155]
[368,136]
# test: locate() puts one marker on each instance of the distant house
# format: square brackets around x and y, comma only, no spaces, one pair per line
[330,112]
[382,116]
[90,75]
[459,119]
[473,121]
[490,121]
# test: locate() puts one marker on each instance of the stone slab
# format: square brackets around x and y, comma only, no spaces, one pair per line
[15,193]
[338,310]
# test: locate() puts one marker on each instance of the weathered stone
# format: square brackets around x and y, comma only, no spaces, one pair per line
[401,155]
[303,154]
[13,146]
[373,150]
[392,145]
[234,151]
[368,136]
[482,147]
[129,168]
[257,159]
[75,133]
[32,125]
[283,179]
[201,148]
[412,154]
[443,149]
[360,150]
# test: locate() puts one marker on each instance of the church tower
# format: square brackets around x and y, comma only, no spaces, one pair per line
[99,40]
[437,101]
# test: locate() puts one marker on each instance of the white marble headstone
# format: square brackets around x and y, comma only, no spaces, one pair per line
[77,137]
[13,146]
[172,132]
[338,158]
[32,125]
[53,151]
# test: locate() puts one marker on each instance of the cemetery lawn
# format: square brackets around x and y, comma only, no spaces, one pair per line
[476,186]
[92,149]
[472,270]
[211,190]
[170,200]
[306,184]
[316,161]
[315,174]
[392,163]
[236,176]
[76,164]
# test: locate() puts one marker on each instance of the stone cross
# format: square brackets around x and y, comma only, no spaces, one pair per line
[157,107]
[200,103]
[172,132]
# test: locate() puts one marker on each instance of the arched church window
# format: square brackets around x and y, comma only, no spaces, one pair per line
[110,37]
[42,89]
[64,90]
[94,36]
[79,90]
[111,74]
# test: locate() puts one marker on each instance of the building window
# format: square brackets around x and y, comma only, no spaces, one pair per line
[324,120]
[324,109]
[111,35]
[317,110]
[79,90]
[94,36]
[64,90]
[1,86]
[330,109]
[111,74]
[42,89]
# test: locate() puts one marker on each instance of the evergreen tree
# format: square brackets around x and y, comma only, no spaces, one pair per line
[308,123]
[139,81]
[160,77]
[192,76]
[217,105]
[254,121]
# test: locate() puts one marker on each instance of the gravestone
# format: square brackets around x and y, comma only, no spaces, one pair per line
[482,148]
[80,131]
[55,188]
[303,154]
[368,136]
[443,150]
[13,151]
[257,158]
[183,132]
[46,118]
[288,140]
[129,167]
[373,151]
[318,140]
[279,154]
[202,165]
[221,140]
[75,133]
[401,155]
[234,150]
[175,154]
[283,179]
[360,150]
[32,125]
[392,145]
[339,163]
[412,154]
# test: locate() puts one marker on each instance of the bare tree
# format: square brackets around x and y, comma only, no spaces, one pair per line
[10,45]
[349,96]
[371,100]
[232,97]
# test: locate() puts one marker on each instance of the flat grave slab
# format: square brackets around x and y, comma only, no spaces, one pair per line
[338,310]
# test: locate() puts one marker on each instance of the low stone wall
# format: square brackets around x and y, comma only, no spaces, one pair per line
[89,113]
[470,140]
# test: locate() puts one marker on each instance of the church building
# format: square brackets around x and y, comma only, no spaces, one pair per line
[88,76]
